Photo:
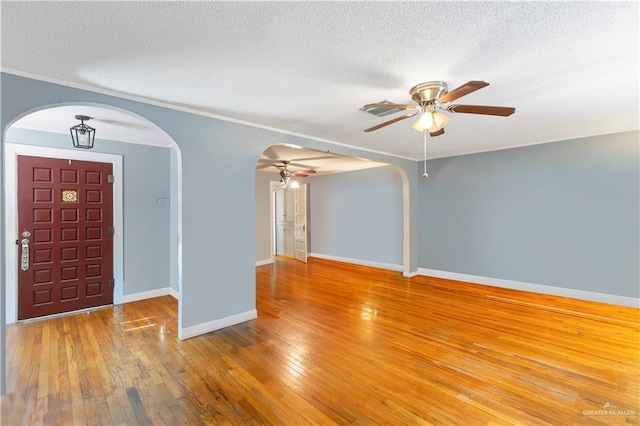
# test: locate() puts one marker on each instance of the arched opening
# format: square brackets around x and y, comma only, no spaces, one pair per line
[337,229]
[43,132]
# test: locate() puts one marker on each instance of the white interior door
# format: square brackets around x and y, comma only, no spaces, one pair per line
[284,216]
[279,221]
[300,222]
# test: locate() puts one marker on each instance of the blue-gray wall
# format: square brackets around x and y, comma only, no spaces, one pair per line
[561,214]
[357,215]
[146,221]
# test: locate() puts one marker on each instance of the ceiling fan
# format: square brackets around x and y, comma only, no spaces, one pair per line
[287,176]
[283,167]
[431,102]
[284,170]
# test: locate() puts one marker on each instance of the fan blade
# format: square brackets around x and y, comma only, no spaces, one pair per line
[265,166]
[481,109]
[390,106]
[302,167]
[386,123]
[465,89]
[303,173]
[324,157]
[437,133]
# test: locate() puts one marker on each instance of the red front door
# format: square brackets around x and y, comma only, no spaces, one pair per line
[65,250]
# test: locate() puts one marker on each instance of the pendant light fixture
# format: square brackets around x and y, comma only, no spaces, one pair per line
[82,135]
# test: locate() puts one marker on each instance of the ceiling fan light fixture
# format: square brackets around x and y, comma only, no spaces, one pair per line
[440,119]
[424,122]
[289,182]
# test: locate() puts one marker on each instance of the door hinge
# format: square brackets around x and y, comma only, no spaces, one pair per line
[111,282]
[111,178]
[111,230]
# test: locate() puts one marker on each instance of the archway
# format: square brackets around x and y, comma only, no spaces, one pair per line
[16,139]
[311,164]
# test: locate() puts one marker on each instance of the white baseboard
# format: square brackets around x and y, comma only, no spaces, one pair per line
[173,292]
[534,288]
[410,274]
[264,262]
[207,327]
[370,263]
[148,295]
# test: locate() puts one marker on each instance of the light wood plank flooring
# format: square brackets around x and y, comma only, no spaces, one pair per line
[335,344]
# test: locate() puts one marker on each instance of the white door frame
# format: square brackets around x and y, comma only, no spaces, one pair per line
[300,222]
[273,185]
[11,152]
[273,220]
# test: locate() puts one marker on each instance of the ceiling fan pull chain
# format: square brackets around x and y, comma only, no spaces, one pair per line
[425,174]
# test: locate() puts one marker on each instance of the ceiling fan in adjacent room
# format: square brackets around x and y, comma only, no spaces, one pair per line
[287,176]
[433,99]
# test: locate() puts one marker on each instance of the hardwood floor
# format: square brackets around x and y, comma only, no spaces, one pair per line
[335,343]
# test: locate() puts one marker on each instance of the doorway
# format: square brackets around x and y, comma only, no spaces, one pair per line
[13,270]
[65,219]
[38,133]
[289,232]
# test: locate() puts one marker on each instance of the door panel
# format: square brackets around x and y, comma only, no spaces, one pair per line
[65,210]
[285,244]
[300,222]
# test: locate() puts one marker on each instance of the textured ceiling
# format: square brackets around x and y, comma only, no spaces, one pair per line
[569,68]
